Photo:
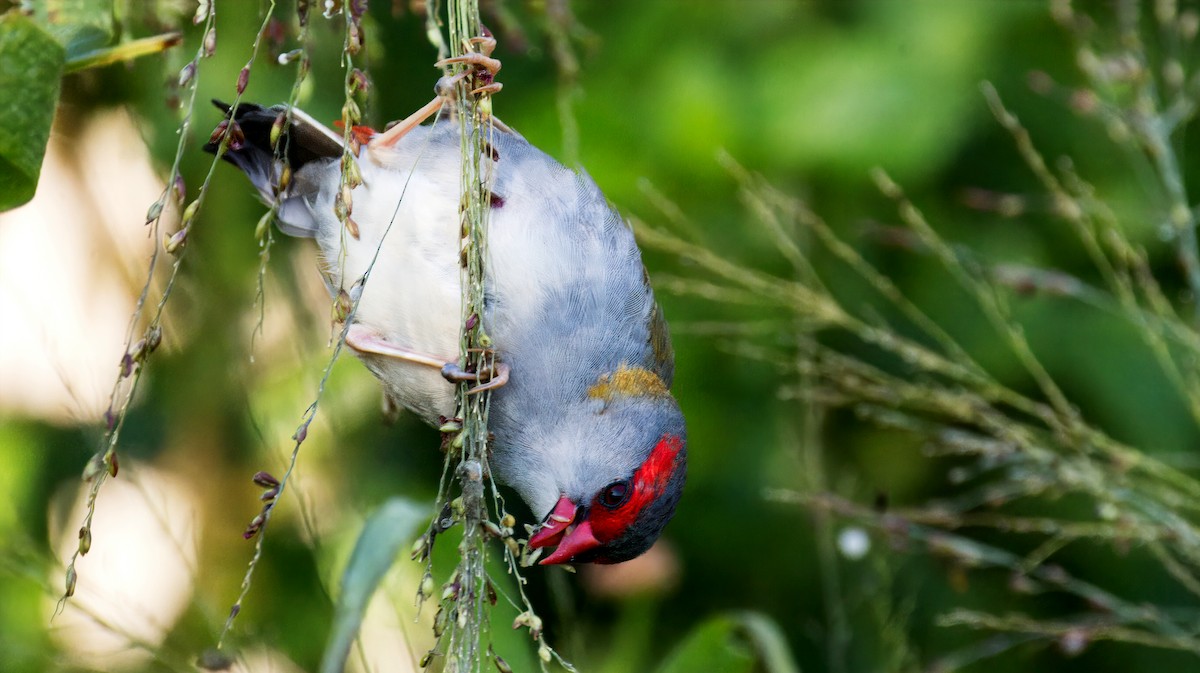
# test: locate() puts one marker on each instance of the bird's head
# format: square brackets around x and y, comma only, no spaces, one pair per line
[619,484]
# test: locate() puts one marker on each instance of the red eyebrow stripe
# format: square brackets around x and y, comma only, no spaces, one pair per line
[658,468]
[649,480]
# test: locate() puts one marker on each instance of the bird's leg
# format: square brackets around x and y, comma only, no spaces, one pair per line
[364,341]
[490,378]
[483,69]
[393,135]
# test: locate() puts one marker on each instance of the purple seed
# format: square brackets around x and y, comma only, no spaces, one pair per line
[243,79]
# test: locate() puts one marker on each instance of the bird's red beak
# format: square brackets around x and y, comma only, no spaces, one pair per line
[560,528]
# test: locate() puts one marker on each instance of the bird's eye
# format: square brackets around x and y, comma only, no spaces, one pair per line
[615,494]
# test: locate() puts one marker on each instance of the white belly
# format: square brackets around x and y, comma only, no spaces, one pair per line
[412,298]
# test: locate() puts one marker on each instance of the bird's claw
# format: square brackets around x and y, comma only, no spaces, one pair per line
[487,43]
[492,88]
[475,60]
[489,378]
[482,68]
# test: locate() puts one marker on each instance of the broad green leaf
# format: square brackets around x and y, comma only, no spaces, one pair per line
[31,65]
[741,642]
[388,531]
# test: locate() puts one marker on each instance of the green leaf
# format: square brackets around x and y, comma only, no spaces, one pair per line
[388,531]
[769,642]
[31,65]
[125,51]
[740,642]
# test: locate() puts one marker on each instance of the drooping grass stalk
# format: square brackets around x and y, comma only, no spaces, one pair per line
[925,531]
[104,463]
[264,232]
[1120,264]
[1024,448]
[464,618]
[467,632]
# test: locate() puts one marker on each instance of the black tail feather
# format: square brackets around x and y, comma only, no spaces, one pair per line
[305,141]
[301,141]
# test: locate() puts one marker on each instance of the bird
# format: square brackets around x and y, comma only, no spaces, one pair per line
[585,428]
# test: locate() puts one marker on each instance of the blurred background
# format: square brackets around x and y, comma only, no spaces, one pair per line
[655,101]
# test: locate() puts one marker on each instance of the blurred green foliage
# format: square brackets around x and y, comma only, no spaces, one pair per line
[810,95]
